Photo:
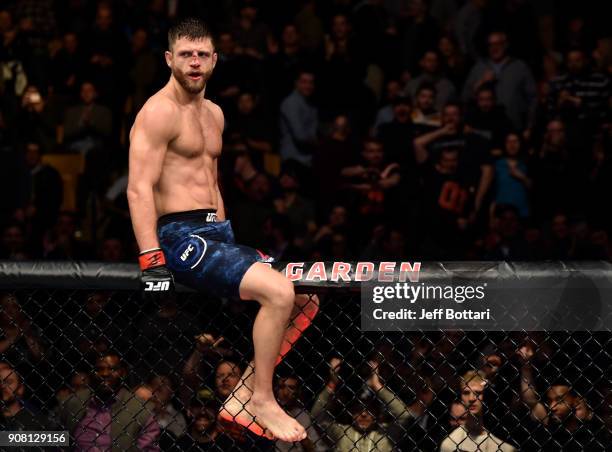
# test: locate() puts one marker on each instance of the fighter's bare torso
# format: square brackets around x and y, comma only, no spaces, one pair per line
[188,178]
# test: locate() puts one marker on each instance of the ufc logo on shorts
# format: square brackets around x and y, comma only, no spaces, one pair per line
[186,253]
[159,286]
[211,216]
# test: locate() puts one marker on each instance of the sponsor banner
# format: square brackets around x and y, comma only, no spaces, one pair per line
[347,272]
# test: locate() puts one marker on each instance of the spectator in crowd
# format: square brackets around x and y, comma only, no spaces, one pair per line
[513,81]
[245,168]
[552,173]
[67,67]
[505,240]
[288,393]
[336,228]
[17,415]
[560,237]
[112,250]
[453,62]
[599,180]
[299,121]
[419,33]
[41,192]
[512,182]
[372,182]
[79,380]
[444,203]
[564,426]
[227,375]
[473,435]
[488,119]
[387,243]
[291,203]
[98,320]
[13,242]
[251,212]
[250,32]
[203,433]
[232,74]
[425,115]
[474,160]
[430,67]
[107,51]
[143,72]
[154,331]
[21,340]
[249,125]
[60,241]
[201,362]
[283,62]
[167,416]
[580,97]
[336,150]
[108,413]
[396,136]
[341,86]
[366,430]
[393,89]
[88,125]
[467,24]
[37,120]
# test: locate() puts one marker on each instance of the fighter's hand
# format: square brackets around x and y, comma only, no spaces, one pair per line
[156,278]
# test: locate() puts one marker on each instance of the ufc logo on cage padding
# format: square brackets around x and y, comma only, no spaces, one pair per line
[160,286]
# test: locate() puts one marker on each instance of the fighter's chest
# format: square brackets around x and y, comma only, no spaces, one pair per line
[199,134]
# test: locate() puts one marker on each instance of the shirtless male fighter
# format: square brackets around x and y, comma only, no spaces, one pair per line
[179,222]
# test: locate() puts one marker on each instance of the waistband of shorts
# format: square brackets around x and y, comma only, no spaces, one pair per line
[199,215]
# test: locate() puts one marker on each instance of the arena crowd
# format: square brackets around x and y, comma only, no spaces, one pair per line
[372,129]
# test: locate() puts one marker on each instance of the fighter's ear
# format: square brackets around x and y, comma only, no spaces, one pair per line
[214,59]
[168,56]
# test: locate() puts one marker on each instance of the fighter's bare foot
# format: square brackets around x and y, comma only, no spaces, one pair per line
[237,409]
[269,414]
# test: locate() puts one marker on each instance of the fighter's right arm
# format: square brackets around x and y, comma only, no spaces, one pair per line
[154,128]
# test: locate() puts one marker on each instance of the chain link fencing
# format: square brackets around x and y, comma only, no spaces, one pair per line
[164,366]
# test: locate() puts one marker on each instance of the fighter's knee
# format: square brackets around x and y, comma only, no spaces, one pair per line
[281,294]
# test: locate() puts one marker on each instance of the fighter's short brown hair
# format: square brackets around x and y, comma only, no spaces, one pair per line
[190,28]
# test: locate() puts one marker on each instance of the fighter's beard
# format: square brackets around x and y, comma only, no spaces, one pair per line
[191,86]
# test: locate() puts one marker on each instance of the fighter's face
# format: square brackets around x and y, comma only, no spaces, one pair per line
[192,63]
